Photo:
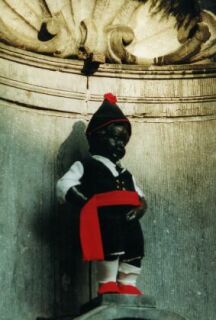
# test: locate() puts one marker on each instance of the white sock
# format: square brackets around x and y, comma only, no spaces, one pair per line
[107,270]
[128,274]
[127,278]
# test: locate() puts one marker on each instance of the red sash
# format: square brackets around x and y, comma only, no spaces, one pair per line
[90,234]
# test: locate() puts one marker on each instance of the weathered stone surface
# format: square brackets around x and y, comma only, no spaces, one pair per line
[126,307]
[120,300]
[134,32]
[171,152]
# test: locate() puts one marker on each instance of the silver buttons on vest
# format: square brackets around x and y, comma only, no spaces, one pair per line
[120,184]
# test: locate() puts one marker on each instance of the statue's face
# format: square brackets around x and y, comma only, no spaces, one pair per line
[110,141]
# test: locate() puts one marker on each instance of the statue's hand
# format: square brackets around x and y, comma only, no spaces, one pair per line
[75,195]
[138,212]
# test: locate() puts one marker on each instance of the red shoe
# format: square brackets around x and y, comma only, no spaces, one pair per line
[108,287]
[129,289]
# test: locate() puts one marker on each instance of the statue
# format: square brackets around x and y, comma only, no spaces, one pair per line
[144,32]
[111,202]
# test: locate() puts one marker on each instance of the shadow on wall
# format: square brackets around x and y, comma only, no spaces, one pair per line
[60,231]
[72,275]
[74,148]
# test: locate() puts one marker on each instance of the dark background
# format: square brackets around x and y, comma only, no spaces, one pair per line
[209,5]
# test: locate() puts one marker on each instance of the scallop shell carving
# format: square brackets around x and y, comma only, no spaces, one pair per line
[124,31]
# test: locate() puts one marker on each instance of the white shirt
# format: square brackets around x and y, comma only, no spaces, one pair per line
[74,174]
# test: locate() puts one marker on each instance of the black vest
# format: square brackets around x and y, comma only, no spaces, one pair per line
[97,178]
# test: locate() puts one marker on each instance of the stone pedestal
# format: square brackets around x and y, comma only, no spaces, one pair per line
[127,307]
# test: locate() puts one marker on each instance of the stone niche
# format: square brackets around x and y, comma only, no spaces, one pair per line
[45,105]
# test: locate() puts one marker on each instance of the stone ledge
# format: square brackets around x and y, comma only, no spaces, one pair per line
[127,307]
[120,300]
[140,72]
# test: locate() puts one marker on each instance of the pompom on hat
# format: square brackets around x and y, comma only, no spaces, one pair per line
[109,112]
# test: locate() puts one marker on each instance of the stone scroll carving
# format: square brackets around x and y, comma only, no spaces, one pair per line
[148,32]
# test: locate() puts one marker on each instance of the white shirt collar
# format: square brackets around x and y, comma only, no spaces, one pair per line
[108,163]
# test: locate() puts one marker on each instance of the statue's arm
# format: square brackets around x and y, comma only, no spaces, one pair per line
[138,212]
[69,188]
[75,195]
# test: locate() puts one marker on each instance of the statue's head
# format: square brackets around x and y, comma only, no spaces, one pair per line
[109,130]
[110,141]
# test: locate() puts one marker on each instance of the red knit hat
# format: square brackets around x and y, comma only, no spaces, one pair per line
[109,112]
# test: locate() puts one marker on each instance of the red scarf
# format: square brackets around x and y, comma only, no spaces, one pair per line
[90,233]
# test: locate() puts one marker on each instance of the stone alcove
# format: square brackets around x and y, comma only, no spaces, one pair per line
[45,104]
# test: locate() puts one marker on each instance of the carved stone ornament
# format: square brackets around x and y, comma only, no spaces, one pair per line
[148,32]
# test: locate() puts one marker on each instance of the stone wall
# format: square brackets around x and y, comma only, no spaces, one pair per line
[45,105]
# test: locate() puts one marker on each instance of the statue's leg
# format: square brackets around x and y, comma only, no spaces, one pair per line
[107,271]
[127,277]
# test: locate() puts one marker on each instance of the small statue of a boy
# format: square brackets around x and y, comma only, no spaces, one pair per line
[111,202]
